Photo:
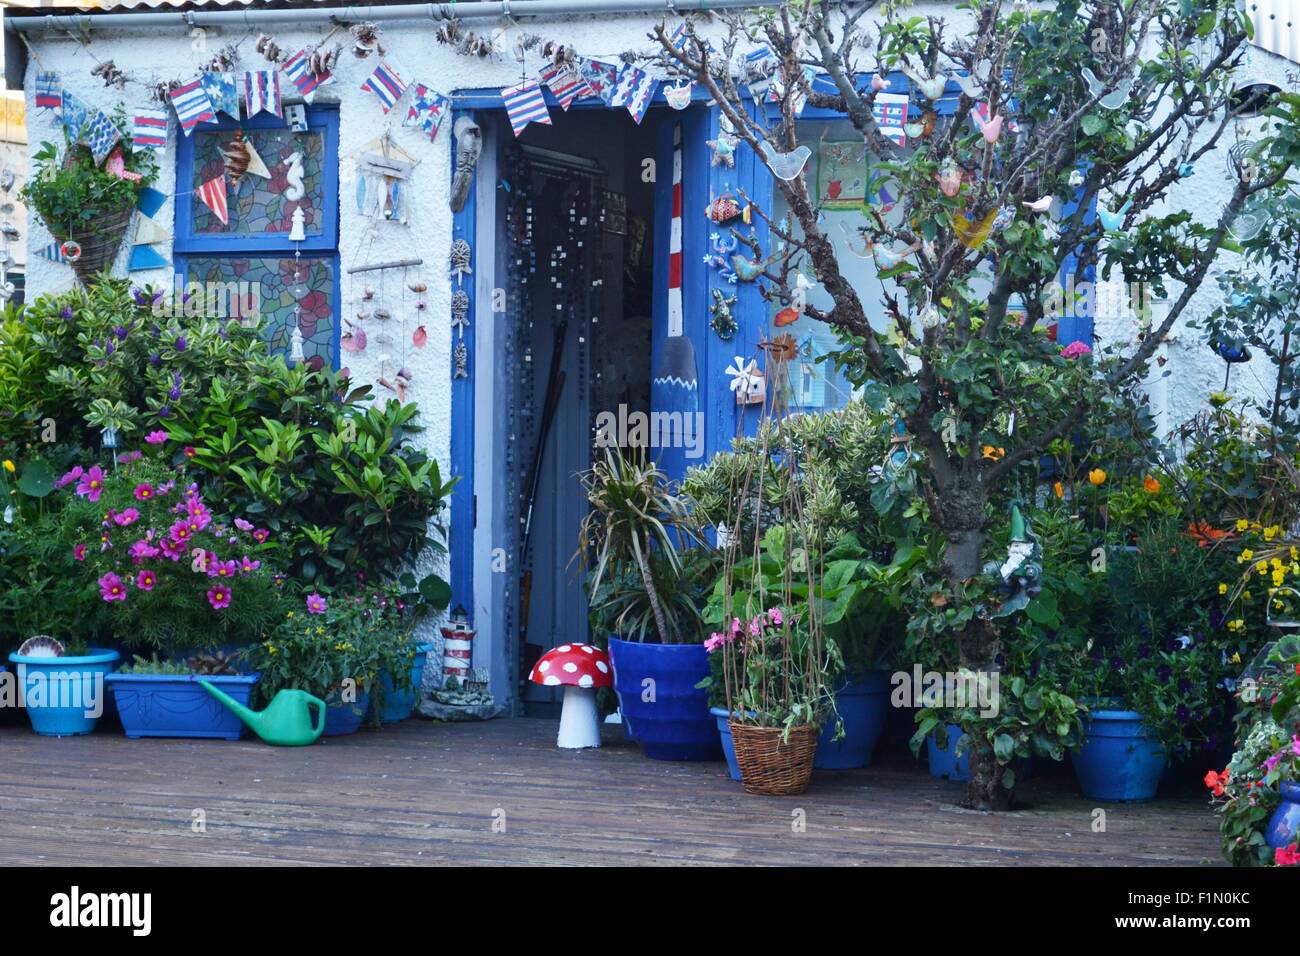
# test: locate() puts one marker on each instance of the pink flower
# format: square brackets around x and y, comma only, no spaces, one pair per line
[91,484]
[129,456]
[197,522]
[1286,856]
[713,642]
[180,532]
[221,569]
[142,549]
[756,626]
[111,588]
[1074,350]
[166,487]
[173,549]
[189,451]
[247,565]
[774,615]
[143,491]
[1273,761]
[145,580]
[219,597]
[70,477]
[156,438]
[315,604]
[260,535]
[243,525]
[128,517]
[79,552]
[735,626]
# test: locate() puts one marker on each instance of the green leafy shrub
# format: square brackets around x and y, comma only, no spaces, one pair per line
[71,190]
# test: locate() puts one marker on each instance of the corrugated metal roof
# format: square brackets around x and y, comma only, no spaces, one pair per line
[1277,26]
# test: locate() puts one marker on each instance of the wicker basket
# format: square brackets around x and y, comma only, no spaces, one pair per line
[100,239]
[769,765]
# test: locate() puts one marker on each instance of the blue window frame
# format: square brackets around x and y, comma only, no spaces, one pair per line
[254,246]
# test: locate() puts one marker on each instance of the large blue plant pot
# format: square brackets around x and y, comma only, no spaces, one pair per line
[944,762]
[64,696]
[1285,821]
[1118,760]
[398,704]
[342,718]
[176,705]
[675,724]
[862,706]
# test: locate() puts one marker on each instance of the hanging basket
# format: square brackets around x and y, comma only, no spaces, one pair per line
[769,765]
[100,239]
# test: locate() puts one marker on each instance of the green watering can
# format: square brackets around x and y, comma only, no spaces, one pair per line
[286,722]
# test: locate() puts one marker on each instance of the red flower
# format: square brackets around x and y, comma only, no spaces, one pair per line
[1215,781]
[1286,856]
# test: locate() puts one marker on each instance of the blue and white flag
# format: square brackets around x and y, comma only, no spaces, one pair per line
[635,89]
[525,104]
[223,91]
[298,71]
[426,111]
[53,252]
[600,78]
[73,114]
[192,105]
[49,91]
[385,84]
[101,135]
[262,92]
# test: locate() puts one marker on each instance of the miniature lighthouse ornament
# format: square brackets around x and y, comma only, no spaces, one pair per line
[580,669]
[457,645]
[298,232]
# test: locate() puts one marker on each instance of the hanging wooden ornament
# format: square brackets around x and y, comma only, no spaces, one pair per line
[383,168]
[460,356]
[242,160]
[461,257]
[460,312]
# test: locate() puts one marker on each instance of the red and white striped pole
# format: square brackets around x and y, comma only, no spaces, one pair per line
[457,646]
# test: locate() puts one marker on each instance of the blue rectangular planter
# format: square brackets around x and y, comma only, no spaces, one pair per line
[175,705]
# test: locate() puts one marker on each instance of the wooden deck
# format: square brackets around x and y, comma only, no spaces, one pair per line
[421,792]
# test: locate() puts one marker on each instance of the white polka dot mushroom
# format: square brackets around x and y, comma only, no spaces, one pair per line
[580,669]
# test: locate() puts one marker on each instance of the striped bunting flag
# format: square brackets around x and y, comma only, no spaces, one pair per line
[262,92]
[192,105]
[890,113]
[385,84]
[53,252]
[426,111]
[213,194]
[301,76]
[564,83]
[49,91]
[149,128]
[525,104]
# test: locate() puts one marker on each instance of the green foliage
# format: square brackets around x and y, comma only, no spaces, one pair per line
[70,191]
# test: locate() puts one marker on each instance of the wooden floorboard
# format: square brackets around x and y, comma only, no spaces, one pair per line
[421,792]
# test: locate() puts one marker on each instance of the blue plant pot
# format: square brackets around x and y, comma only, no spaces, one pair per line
[64,696]
[728,744]
[676,723]
[1118,760]
[944,762]
[341,718]
[398,704]
[1285,821]
[175,705]
[862,706]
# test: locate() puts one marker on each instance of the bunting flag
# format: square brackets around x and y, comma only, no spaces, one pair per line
[53,252]
[385,84]
[300,75]
[636,90]
[146,257]
[776,90]
[192,105]
[564,83]
[890,113]
[599,77]
[149,128]
[426,111]
[213,194]
[148,231]
[73,115]
[101,136]
[262,92]
[525,104]
[49,91]
[223,91]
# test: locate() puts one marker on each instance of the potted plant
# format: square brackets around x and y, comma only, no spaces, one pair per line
[162,698]
[334,647]
[87,204]
[632,541]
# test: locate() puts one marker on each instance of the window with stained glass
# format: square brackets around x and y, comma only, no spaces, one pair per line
[252,250]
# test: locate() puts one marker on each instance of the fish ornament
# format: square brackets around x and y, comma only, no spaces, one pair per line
[725,210]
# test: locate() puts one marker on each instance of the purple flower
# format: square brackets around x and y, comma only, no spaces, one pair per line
[91,485]
[142,549]
[219,597]
[79,552]
[243,525]
[66,312]
[128,517]
[156,437]
[172,549]
[260,535]
[222,569]
[120,331]
[155,360]
[165,411]
[181,343]
[111,588]
[145,580]
[315,604]
[247,565]
[70,477]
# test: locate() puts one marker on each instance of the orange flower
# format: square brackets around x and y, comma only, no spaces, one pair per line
[1151,485]
[1058,489]
[1097,477]
[1215,781]
[1204,533]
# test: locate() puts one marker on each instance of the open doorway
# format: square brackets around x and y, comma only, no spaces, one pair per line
[575,228]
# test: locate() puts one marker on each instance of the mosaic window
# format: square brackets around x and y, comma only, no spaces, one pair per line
[268,288]
[259,206]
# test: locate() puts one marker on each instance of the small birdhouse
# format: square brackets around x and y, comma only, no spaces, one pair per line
[753,391]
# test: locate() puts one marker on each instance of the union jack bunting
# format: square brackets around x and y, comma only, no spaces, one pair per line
[525,104]
[426,110]
[192,105]
[262,92]
[301,76]
[564,83]
[149,128]
[385,84]
[49,91]
[213,195]
[223,91]
[101,135]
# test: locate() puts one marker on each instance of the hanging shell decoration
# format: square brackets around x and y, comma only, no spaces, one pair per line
[461,257]
[383,315]
[162,92]
[460,311]
[420,337]
[321,61]
[353,340]
[224,61]
[237,157]
[267,46]
[418,287]
[110,74]
[365,38]
[461,357]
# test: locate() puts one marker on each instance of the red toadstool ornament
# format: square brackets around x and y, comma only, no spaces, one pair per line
[580,669]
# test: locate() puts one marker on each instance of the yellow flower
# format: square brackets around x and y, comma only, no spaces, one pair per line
[290,614]
[1246,555]
[1245,595]
[1261,567]
[1275,564]
[1295,553]
[1236,625]
[993,454]
[320,630]
[1097,476]
[1271,532]
[1223,588]
[1279,578]
[1242,524]
[1235,659]
[9,466]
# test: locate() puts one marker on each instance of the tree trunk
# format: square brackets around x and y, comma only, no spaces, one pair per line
[652,595]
